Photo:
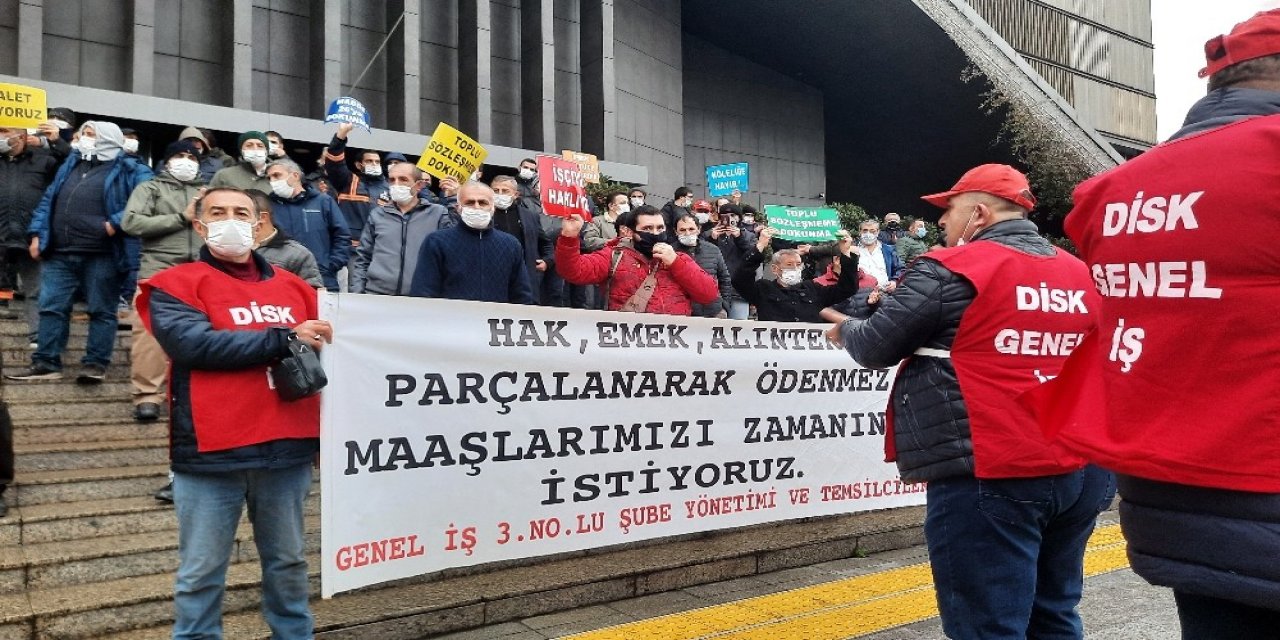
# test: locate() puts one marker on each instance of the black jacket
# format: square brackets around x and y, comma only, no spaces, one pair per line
[931,424]
[800,303]
[708,256]
[23,179]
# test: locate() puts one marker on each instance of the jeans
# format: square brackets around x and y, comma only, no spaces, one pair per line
[209,507]
[1207,618]
[96,277]
[22,274]
[129,283]
[739,310]
[1008,555]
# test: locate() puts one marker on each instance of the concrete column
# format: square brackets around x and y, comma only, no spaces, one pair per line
[242,54]
[538,74]
[31,39]
[404,59]
[599,82]
[475,69]
[144,47]
[326,54]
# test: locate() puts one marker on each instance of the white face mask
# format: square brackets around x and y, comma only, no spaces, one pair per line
[87,145]
[622,208]
[867,239]
[790,277]
[526,174]
[274,150]
[702,217]
[748,220]
[184,169]
[637,202]
[503,200]
[400,194]
[130,145]
[688,240]
[282,188]
[229,238]
[476,218]
[685,202]
[255,157]
[373,170]
[61,124]
[5,146]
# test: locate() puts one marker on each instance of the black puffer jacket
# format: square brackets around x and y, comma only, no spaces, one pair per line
[931,424]
[708,256]
[800,303]
[23,179]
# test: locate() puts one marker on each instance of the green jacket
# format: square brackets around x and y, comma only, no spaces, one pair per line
[154,213]
[909,249]
[241,176]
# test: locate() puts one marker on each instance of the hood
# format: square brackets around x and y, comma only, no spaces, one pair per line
[192,132]
[1224,106]
[110,139]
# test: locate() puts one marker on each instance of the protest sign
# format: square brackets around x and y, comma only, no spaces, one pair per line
[451,154]
[724,179]
[511,431]
[803,224]
[348,110]
[562,191]
[588,163]
[22,107]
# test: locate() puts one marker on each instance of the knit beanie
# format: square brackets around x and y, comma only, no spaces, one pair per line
[181,146]
[252,135]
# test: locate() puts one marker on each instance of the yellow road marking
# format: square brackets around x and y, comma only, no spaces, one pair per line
[830,611]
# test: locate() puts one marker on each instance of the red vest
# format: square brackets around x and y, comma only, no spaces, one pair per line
[238,408]
[1029,313]
[1180,382]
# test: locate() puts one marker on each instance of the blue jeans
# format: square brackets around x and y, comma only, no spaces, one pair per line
[1008,555]
[94,275]
[739,310]
[129,282]
[209,507]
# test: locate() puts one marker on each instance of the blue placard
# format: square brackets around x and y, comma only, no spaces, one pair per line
[347,109]
[723,179]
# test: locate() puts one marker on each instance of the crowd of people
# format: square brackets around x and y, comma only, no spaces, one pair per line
[997,403]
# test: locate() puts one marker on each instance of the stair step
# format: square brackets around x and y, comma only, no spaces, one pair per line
[15,359]
[61,521]
[83,412]
[103,431]
[19,342]
[65,390]
[18,327]
[72,485]
[90,454]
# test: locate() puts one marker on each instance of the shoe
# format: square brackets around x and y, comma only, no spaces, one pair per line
[37,371]
[146,412]
[165,494]
[91,374]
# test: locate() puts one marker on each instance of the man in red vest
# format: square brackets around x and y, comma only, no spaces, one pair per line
[223,320]
[1008,513]
[1177,390]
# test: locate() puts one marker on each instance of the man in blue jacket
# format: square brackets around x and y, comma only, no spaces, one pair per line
[310,217]
[75,232]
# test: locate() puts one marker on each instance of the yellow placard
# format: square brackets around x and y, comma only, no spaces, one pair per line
[587,163]
[451,154]
[22,107]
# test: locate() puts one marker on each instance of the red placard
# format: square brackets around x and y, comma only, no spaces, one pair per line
[563,193]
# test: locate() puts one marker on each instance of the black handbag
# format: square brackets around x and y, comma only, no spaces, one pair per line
[299,374]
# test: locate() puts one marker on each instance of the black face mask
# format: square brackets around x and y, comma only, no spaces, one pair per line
[643,241]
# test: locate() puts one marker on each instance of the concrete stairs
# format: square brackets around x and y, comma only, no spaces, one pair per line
[87,552]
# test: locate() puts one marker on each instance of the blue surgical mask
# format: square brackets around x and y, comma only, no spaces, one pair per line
[922,232]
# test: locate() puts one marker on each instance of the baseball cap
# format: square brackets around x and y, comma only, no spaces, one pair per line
[1254,38]
[702,205]
[999,180]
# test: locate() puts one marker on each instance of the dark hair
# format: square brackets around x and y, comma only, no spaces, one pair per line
[628,219]
[730,208]
[1264,68]
[684,217]
[608,199]
[360,157]
[683,191]
[273,133]
[524,160]
[260,201]
[200,202]
[635,189]
[746,208]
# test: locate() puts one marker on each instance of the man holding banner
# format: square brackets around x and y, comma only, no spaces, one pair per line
[1008,512]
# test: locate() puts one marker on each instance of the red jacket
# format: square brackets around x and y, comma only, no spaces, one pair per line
[683,281]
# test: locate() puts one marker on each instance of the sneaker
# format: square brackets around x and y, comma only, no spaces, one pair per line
[165,494]
[37,371]
[146,412]
[91,374]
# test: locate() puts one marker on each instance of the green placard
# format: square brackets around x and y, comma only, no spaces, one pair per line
[803,224]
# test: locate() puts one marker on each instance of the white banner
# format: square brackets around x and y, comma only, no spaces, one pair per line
[458,433]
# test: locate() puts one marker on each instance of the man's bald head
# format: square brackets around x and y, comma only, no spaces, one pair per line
[475,194]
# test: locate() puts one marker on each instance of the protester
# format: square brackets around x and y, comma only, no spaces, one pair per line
[54,135]
[912,246]
[637,271]
[702,211]
[680,205]
[877,259]
[275,146]
[131,141]
[233,440]
[1176,389]
[734,242]
[527,182]
[473,260]
[604,227]
[357,192]
[387,255]
[789,297]
[75,232]
[708,256]
[251,171]
[160,213]
[210,163]
[636,197]
[276,247]
[310,217]
[1008,513]
[513,216]
[892,231]
[215,151]
[25,173]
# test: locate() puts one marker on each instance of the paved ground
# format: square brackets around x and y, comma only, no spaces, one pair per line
[883,597]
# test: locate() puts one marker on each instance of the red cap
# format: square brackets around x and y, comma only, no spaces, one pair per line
[702,205]
[999,180]
[1254,38]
